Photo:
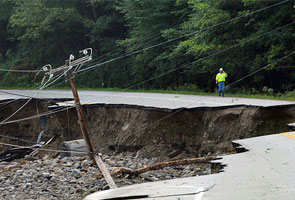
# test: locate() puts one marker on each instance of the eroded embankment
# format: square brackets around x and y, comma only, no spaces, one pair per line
[154,132]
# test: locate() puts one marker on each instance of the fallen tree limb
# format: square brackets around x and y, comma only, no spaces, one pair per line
[136,172]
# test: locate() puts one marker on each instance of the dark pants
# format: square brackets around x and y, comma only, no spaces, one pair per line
[221,88]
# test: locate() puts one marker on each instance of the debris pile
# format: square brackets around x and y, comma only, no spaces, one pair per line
[75,177]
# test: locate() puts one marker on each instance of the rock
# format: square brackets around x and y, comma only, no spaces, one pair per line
[151,179]
[27,185]
[58,170]
[73,178]
[47,175]
[53,179]
[174,153]
[144,175]
[80,190]
[72,181]
[62,179]
[20,171]
[65,159]
[77,166]
[85,163]
[76,173]
[12,188]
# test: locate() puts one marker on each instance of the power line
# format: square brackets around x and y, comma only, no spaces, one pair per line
[171,114]
[162,43]
[15,94]
[19,70]
[5,120]
[36,116]
[178,110]
[214,54]
[45,149]
[146,40]
[32,117]
[19,109]
[190,64]
[16,138]
[260,69]
[135,52]
[183,36]
[206,57]
[46,84]
[177,38]
[211,55]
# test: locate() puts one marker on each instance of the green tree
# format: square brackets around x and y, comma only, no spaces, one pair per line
[46,33]
[6,11]
[147,20]
[211,38]
[104,26]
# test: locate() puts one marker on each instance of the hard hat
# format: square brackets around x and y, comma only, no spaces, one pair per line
[220,69]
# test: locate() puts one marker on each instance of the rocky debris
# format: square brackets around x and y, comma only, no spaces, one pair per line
[74,177]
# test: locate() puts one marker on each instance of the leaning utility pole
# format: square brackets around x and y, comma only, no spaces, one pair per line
[96,159]
[83,125]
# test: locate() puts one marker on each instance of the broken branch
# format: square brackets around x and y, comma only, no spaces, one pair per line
[136,172]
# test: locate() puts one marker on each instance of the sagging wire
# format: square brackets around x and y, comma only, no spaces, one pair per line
[49,75]
[33,117]
[178,110]
[208,57]
[44,84]
[47,69]
[19,70]
[41,87]
[182,36]
[211,55]
[203,58]
[18,139]
[221,23]
[38,115]
[268,65]
[45,149]
[147,40]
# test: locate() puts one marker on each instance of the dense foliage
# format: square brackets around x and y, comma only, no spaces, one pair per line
[163,44]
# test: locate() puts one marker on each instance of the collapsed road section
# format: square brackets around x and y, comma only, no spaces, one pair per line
[139,144]
[146,131]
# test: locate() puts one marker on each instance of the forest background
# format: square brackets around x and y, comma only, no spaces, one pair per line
[153,44]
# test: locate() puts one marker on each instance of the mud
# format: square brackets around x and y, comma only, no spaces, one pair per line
[153,132]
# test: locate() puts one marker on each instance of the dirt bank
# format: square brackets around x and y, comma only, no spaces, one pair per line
[200,131]
[153,132]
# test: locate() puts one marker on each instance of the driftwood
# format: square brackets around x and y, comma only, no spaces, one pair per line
[136,172]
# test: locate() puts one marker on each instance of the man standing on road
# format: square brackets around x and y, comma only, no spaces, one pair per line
[220,80]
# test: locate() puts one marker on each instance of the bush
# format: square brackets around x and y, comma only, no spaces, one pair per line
[289,94]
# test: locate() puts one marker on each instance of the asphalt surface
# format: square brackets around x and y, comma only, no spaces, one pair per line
[265,172]
[170,101]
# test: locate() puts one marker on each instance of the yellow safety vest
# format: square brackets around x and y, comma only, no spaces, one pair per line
[221,77]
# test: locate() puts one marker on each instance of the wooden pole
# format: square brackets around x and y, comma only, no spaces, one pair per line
[82,121]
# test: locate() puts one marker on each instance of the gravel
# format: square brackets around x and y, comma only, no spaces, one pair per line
[74,177]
